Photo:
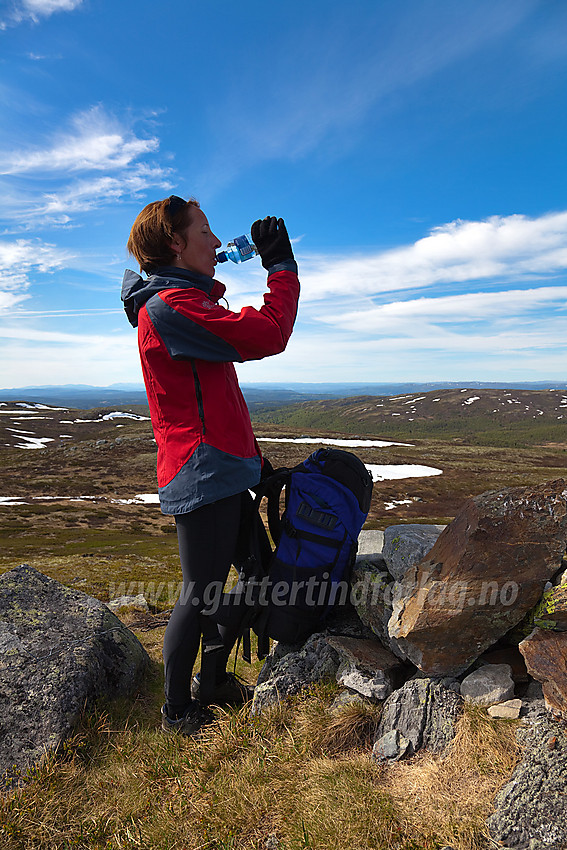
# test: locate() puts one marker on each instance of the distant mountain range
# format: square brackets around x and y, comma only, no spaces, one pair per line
[258,396]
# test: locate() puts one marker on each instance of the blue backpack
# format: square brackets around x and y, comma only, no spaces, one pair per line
[287,591]
[327,499]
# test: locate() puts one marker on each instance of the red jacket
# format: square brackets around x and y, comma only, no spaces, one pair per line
[188,343]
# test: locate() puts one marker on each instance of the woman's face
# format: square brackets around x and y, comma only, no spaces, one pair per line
[197,245]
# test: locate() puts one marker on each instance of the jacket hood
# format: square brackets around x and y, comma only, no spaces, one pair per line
[136,290]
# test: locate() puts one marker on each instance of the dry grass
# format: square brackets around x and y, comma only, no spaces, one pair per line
[452,796]
[299,776]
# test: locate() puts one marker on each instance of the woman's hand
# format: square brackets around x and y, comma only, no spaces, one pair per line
[270,238]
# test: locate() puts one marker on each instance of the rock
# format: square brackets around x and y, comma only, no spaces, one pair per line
[405,545]
[138,601]
[509,709]
[374,687]
[370,543]
[60,649]
[391,747]
[530,808]
[371,595]
[288,669]
[423,711]
[366,666]
[551,611]
[545,653]
[488,685]
[486,570]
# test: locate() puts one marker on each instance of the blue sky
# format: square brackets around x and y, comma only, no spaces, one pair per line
[416,149]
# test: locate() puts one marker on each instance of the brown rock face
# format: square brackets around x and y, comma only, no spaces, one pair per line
[486,570]
[545,653]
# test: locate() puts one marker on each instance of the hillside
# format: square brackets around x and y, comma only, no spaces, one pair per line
[480,416]
[81,483]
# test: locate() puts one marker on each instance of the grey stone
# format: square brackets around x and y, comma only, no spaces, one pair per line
[425,712]
[406,545]
[371,596]
[370,543]
[376,687]
[530,810]
[391,747]
[62,649]
[366,666]
[138,601]
[289,669]
[488,685]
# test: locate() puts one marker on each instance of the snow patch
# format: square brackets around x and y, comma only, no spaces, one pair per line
[140,499]
[33,442]
[114,415]
[331,442]
[389,472]
[389,506]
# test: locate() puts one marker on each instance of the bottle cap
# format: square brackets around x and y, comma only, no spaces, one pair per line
[221,257]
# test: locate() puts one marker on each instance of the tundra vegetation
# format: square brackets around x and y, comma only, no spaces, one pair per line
[298,776]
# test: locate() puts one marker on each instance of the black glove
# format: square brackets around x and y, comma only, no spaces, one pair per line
[269,235]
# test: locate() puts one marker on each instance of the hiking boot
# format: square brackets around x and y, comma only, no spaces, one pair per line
[190,723]
[233,691]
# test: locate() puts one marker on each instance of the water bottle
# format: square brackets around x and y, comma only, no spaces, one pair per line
[241,248]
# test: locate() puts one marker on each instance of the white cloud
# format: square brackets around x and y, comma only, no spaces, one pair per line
[503,247]
[96,141]
[58,358]
[428,354]
[17,260]
[33,10]
[58,207]
[400,316]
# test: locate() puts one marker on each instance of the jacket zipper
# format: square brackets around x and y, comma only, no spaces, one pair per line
[199,395]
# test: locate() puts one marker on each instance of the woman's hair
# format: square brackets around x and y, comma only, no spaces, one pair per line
[152,232]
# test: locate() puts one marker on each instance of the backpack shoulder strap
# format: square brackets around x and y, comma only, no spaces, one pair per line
[271,487]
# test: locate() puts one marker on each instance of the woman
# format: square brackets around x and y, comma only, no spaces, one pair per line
[207,454]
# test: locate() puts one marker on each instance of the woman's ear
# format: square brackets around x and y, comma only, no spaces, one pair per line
[177,244]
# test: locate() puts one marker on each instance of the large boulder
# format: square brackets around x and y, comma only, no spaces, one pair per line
[485,572]
[530,809]
[545,654]
[60,649]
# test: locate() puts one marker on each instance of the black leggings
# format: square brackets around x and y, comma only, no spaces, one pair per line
[208,540]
